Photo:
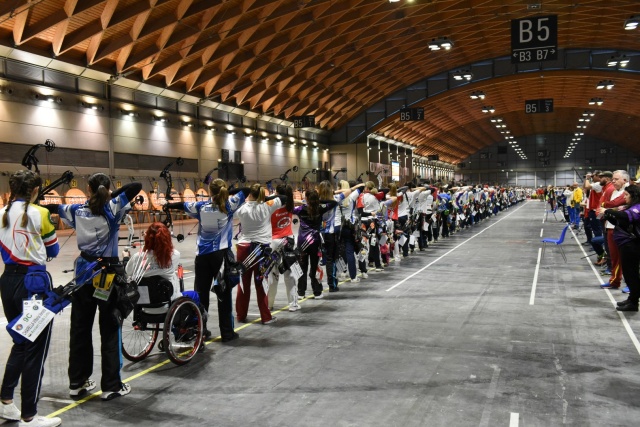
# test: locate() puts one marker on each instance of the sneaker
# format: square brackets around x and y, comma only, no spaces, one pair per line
[9,411]
[364,275]
[294,307]
[628,307]
[207,334]
[110,395]
[625,302]
[86,387]
[379,269]
[609,286]
[606,272]
[356,280]
[625,290]
[336,289]
[300,297]
[318,296]
[272,320]
[38,421]
[235,336]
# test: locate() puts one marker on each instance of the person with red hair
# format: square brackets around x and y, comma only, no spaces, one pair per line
[162,257]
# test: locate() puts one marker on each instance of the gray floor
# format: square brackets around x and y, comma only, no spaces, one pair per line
[458,343]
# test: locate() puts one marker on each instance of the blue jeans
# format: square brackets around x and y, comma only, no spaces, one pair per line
[347,240]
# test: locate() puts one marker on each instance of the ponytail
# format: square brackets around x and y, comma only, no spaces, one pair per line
[286,190]
[219,194]
[313,202]
[99,184]
[22,183]
[257,192]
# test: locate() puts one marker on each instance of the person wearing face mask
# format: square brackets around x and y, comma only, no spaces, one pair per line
[613,199]
[626,233]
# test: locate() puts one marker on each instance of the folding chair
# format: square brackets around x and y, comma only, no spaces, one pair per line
[557,242]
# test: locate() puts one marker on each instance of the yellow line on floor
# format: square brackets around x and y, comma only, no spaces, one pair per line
[159,365]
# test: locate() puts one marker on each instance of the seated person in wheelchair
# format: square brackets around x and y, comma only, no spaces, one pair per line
[162,259]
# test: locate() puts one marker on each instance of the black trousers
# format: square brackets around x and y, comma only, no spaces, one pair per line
[309,258]
[83,313]
[630,261]
[331,253]
[26,360]
[402,222]
[207,268]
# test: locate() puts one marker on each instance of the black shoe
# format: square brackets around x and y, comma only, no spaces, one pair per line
[628,307]
[207,334]
[235,336]
[336,289]
[625,302]
[586,243]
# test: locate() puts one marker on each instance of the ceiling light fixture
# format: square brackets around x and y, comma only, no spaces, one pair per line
[596,101]
[632,23]
[463,75]
[129,113]
[621,61]
[478,94]
[440,43]
[605,84]
[488,109]
[160,119]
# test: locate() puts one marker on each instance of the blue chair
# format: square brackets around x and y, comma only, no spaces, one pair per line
[546,213]
[557,242]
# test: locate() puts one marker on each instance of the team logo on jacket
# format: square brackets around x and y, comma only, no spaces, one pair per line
[283,222]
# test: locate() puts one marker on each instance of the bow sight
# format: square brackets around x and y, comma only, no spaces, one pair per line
[30,160]
[285,176]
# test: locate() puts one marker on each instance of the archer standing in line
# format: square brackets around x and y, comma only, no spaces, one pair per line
[254,217]
[282,235]
[97,223]
[28,239]
[215,231]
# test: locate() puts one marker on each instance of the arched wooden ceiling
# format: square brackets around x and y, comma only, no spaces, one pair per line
[335,58]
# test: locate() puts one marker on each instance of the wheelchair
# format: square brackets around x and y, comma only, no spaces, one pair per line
[182,323]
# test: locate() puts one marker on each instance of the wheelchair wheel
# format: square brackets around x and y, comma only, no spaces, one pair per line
[183,331]
[138,338]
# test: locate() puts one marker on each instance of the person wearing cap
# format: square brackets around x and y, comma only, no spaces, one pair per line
[613,199]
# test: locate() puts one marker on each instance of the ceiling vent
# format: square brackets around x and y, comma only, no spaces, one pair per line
[534,6]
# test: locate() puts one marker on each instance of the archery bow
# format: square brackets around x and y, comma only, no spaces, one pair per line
[359,179]
[306,180]
[31,161]
[166,175]
[285,176]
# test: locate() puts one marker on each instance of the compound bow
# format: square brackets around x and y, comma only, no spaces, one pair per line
[166,175]
[31,161]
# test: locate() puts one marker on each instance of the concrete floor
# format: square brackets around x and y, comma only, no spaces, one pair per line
[448,337]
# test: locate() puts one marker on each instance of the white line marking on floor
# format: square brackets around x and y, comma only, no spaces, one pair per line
[623,319]
[515,419]
[491,393]
[535,278]
[53,399]
[541,230]
[448,252]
